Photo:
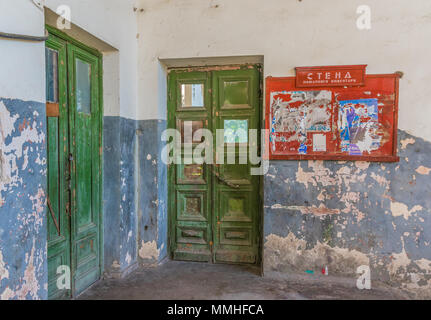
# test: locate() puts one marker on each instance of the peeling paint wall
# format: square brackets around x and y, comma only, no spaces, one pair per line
[152,190]
[347,214]
[340,214]
[23,168]
[135,192]
[120,195]
[23,239]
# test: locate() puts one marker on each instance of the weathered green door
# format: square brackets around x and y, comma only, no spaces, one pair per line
[58,164]
[74,166]
[214,209]
[85,153]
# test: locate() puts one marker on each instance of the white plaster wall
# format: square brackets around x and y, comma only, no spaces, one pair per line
[22,64]
[114,22]
[291,33]
[287,33]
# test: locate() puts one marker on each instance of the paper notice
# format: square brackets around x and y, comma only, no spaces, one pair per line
[319,142]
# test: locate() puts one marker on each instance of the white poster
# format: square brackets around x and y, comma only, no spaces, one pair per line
[319,142]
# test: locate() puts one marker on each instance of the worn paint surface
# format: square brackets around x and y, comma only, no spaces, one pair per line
[346,214]
[23,267]
[120,218]
[128,216]
[297,113]
[135,211]
[111,193]
[359,126]
[152,190]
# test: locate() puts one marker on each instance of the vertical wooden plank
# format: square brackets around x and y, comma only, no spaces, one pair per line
[85,178]
[57,141]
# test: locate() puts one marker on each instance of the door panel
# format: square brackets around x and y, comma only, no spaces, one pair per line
[214,208]
[84,117]
[190,223]
[58,173]
[191,174]
[236,101]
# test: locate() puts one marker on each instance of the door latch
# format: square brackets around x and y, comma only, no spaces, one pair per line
[228,183]
[69,178]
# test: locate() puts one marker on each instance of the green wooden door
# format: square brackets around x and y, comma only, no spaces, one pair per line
[58,164]
[214,208]
[74,166]
[85,152]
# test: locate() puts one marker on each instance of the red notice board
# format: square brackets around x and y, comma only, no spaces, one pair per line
[333,123]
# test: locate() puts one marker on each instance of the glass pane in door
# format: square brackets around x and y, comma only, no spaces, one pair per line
[83,87]
[51,57]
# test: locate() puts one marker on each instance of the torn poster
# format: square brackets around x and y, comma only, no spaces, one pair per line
[333,123]
[295,115]
[358,124]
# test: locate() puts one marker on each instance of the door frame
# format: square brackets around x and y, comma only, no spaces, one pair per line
[99,55]
[171,168]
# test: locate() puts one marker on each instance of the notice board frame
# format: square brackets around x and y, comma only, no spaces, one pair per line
[392,157]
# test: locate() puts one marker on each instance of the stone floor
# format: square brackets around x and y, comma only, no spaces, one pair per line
[175,280]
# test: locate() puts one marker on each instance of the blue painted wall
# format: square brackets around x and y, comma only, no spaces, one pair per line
[23,170]
[316,213]
[120,218]
[135,190]
[111,193]
[152,190]
[128,215]
[347,214]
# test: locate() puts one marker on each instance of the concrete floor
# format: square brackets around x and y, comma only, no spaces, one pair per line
[176,280]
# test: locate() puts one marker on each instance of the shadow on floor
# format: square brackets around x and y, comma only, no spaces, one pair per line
[175,280]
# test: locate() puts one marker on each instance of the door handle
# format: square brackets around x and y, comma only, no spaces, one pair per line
[69,164]
[228,183]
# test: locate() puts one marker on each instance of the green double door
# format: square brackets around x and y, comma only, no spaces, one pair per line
[74,167]
[214,207]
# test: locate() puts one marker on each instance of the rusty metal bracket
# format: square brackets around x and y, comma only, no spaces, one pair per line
[53,215]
